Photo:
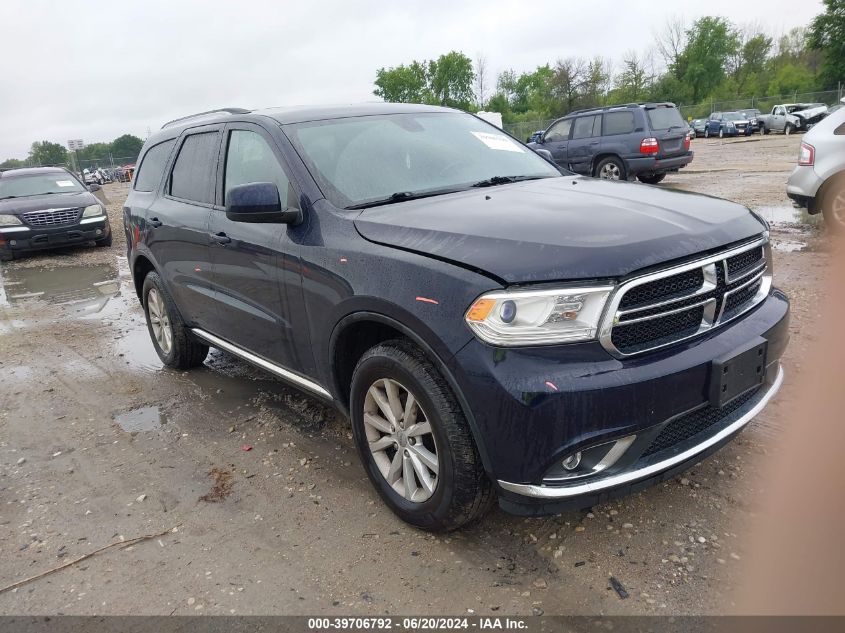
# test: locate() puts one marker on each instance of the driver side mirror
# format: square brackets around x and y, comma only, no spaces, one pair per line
[258,202]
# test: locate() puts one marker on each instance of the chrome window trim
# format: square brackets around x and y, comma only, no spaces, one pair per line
[263,363]
[565,492]
[710,321]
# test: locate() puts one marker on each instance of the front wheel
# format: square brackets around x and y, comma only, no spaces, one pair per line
[610,168]
[653,179]
[764,130]
[414,440]
[707,132]
[721,133]
[173,342]
[789,129]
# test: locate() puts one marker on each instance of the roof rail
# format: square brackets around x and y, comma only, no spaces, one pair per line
[602,108]
[200,114]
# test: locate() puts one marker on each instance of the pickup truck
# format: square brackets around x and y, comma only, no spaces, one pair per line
[792,117]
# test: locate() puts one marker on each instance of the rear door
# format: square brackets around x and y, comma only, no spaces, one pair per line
[556,140]
[254,279]
[670,130]
[584,143]
[178,224]
[617,134]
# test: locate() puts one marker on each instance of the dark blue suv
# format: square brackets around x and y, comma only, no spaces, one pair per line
[644,141]
[493,327]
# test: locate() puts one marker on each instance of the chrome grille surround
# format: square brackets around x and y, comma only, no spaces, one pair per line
[723,283]
[51,217]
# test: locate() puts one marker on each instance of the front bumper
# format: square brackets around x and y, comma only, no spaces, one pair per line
[532,407]
[651,165]
[18,239]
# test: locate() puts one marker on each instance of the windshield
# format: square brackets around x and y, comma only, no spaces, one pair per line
[665,118]
[361,160]
[733,116]
[38,184]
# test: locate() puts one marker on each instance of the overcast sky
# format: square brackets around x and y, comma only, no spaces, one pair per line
[95,70]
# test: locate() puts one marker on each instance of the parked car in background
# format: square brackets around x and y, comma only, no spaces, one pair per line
[535,136]
[753,116]
[792,117]
[493,327]
[46,207]
[818,181]
[644,141]
[723,124]
[697,126]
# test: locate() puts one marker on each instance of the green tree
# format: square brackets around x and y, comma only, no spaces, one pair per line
[11,163]
[126,146]
[710,42]
[827,34]
[451,80]
[403,84]
[47,153]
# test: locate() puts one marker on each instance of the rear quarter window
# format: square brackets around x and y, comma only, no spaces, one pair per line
[152,166]
[664,118]
[618,123]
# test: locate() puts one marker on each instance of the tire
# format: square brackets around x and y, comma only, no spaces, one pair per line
[180,350]
[721,133]
[653,179]
[832,204]
[105,242]
[707,132]
[611,168]
[788,129]
[459,492]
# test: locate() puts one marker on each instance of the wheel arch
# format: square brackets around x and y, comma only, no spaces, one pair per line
[607,154]
[141,267]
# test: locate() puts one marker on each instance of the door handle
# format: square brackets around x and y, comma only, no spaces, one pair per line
[221,238]
[154,222]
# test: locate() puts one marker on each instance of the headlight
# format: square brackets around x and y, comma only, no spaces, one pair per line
[90,212]
[9,220]
[538,317]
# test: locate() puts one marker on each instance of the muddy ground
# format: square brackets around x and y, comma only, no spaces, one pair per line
[99,443]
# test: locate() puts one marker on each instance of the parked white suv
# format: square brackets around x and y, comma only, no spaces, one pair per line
[818,181]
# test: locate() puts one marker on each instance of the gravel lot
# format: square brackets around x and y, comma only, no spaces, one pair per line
[99,443]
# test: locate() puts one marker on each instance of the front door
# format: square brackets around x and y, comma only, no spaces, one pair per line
[249,260]
[556,140]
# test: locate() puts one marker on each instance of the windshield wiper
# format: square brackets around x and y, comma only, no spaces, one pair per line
[504,180]
[402,196]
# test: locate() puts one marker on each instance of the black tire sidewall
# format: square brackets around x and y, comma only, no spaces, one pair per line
[430,512]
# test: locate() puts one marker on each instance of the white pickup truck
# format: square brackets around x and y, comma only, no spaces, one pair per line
[792,117]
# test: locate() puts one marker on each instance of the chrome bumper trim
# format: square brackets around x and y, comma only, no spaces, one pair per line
[565,492]
[263,363]
[13,229]
[99,218]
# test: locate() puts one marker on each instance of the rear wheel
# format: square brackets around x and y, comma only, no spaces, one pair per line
[653,179]
[610,168]
[173,342]
[414,440]
[721,132]
[832,204]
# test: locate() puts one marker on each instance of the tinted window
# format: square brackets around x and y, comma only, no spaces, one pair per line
[586,126]
[250,159]
[193,173]
[12,186]
[618,123]
[664,118]
[559,131]
[152,166]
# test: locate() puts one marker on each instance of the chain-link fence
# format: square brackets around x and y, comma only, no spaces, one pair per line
[524,129]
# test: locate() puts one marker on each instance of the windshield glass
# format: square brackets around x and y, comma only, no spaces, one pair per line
[359,160]
[665,118]
[38,184]
[733,116]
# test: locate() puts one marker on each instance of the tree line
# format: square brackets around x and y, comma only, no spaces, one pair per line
[710,59]
[124,149]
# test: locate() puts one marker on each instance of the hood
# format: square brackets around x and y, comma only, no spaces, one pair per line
[560,228]
[809,113]
[50,201]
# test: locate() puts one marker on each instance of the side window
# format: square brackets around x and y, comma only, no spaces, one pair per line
[250,159]
[152,166]
[559,131]
[780,111]
[193,173]
[618,123]
[585,127]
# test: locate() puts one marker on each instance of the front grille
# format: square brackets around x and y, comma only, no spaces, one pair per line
[659,309]
[691,424]
[51,217]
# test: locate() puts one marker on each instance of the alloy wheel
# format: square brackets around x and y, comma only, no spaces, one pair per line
[159,321]
[400,440]
[610,171]
[838,208]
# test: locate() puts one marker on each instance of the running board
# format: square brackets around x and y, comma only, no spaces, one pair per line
[278,370]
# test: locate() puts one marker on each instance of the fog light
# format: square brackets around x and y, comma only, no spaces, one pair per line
[572,462]
[13,242]
[98,232]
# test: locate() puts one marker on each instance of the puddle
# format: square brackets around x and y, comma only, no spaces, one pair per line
[788,246]
[142,419]
[136,350]
[81,290]
[780,215]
